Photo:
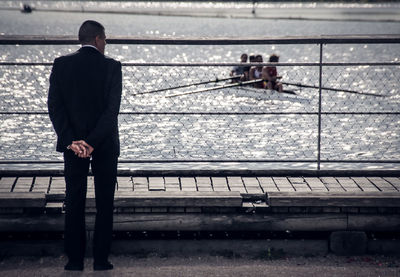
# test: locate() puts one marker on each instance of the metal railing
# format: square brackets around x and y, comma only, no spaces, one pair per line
[238,124]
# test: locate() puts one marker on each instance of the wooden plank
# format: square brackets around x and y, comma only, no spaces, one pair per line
[204,184]
[283,184]
[203,181]
[394,181]
[124,183]
[29,222]
[54,207]
[371,222]
[197,221]
[329,199]
[299,184]
[176,209]
[143,210]
[332,184]
[140,184]
[7,183]
[41,184]
[382,184]
[327,209]
[55,197]
[193,210]
[315,184]
[267,183]
[23,184]
[252,185]
[220,184]
[22,200]
[188,184]
[159,209]
[57,185]
[235,183]
[178,199]
[348,184]
[156,184]
[172,184]
[365,184]
[230,221]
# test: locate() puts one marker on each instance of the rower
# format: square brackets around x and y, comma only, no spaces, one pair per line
[270,75]
[246,76]
[256,72]
[240,70]
[26,8]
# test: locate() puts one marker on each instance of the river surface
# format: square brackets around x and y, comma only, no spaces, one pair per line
[207,126]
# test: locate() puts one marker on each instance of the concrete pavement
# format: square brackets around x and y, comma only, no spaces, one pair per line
[207,265]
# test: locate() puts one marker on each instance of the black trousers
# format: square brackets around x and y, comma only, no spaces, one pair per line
[104,169]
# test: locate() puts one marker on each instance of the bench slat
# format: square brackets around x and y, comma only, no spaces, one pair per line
[6,183]
[22,200]
[236,184]
[178,199]
[382,184]
[204,184]
[188,184]
[23,184]
[354,199]
[156,184]
[283,184]
[172,184]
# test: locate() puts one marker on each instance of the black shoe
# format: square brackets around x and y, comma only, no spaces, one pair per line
[103,266]
[75,266]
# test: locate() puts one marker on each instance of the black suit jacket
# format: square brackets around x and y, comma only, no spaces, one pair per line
[84,99]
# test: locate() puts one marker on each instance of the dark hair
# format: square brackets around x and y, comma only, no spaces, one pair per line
[89,30]
[274,58]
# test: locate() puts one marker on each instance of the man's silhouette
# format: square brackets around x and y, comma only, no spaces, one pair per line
[83,101]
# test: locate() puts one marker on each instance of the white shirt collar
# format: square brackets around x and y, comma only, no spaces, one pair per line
[88,45]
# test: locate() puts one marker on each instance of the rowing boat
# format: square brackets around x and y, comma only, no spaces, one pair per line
[265,94]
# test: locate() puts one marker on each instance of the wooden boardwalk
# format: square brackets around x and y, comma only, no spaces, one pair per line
[213,203]
[244,185]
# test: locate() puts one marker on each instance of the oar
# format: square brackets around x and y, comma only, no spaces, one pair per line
[284,91]
[217,87]
[333,89]
[193,84]
[289,91]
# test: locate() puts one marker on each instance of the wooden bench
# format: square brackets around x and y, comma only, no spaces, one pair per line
[213,203]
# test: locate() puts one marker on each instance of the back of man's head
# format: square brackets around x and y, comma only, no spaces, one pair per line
[89,30]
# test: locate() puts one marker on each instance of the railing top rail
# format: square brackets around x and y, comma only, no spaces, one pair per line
[195,64]
[335,39]
[283,64]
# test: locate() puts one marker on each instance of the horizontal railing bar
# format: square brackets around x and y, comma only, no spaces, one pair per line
[219,172]
[176,113]
[325,39]
[218,64]
[283,64]
[210,161]
[220,113]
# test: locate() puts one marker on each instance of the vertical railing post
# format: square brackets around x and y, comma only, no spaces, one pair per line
[319,108]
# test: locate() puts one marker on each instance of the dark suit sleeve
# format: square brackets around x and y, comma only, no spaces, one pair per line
[108,121]
[57,111]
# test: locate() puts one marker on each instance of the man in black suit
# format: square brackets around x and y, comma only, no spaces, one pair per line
[83,102]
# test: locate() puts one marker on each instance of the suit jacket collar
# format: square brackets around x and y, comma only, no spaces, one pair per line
[89,50]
